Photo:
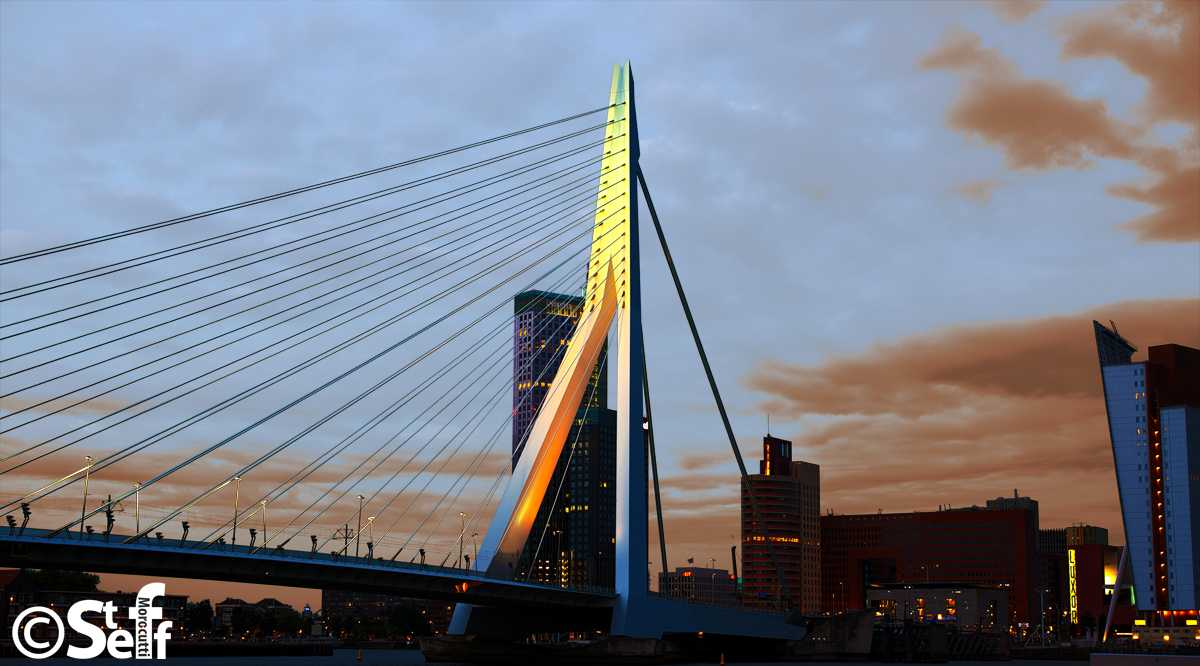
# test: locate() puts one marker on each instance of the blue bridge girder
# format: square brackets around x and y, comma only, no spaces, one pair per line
[290,568]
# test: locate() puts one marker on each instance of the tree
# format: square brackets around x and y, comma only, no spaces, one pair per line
[291,623]
[199,615]
[243,619]
[408,620]
[332,626]
[69,581]
[265,623]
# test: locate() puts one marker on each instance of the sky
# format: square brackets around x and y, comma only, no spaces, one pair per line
[894,221]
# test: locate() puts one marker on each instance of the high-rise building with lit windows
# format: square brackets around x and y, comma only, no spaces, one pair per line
[789,496]
[1154,423]
[573,540]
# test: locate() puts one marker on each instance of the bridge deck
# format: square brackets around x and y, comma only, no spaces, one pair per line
[290,568]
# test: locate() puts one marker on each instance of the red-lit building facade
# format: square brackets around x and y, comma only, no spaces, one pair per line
[990,547]
[1091,575]
[789,496]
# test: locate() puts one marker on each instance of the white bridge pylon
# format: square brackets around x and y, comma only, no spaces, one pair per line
[612,291]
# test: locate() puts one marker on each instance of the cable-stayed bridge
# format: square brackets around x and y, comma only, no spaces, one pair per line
[314,389]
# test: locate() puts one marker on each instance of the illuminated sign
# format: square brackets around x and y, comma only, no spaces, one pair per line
[1074,598]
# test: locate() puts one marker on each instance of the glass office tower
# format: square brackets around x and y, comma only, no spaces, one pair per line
[1154,424]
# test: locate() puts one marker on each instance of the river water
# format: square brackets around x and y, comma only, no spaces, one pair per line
[388,657]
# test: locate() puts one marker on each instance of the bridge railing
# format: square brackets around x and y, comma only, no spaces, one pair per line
[114,540]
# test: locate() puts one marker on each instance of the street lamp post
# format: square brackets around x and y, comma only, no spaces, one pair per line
[237,492]
[266,537]
[1042,601]
[462,516]
[475,542]
[842,589]
[137,510]
[83,512]
[371,535]
[358,534]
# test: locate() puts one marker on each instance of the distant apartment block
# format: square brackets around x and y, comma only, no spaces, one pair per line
[714,587]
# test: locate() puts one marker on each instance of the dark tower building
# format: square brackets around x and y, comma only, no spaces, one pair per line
[789,496]
[573,538]
[1154,422]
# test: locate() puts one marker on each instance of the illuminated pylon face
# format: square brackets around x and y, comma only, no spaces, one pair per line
[610,293]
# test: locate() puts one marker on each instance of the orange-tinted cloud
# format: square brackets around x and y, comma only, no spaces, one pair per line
[1015,11]
[1157,41]
[1040,125]
[966,413]
[817,192]
[978,190]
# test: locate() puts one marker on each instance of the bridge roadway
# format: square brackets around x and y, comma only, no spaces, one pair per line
[291,568]
[493,597]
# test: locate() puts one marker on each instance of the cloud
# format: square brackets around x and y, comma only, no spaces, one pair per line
[978,190]
[1015,11]
[1157,41]
[966,412]
[697,460]
[1041,125]
[817,192]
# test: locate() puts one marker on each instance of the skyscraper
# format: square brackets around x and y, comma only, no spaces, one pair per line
[1154,424]
[573,537]
[789,496]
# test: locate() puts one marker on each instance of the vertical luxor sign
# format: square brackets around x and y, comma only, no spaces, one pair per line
[1071,575]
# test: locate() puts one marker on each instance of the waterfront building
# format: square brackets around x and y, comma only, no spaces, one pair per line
[995,547]
[223,611]
[699,585]
[1153,409]
[789,496]
[365,608]
[1058,541]
[969,606]
[1091,581]
[1018,502]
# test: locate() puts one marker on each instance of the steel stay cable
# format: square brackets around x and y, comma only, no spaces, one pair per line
[193,247]
[557,356]
[436,199]
[503,473]
[573,397]
[214,321]
[662,239]
[267,383]
[561,481]
[319,423]
[479,512]
[329,383]
[491,444]
[492,402]
[557,353]
[498,361]
[195,216]
[387,413]
[233,342]
[293,535]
